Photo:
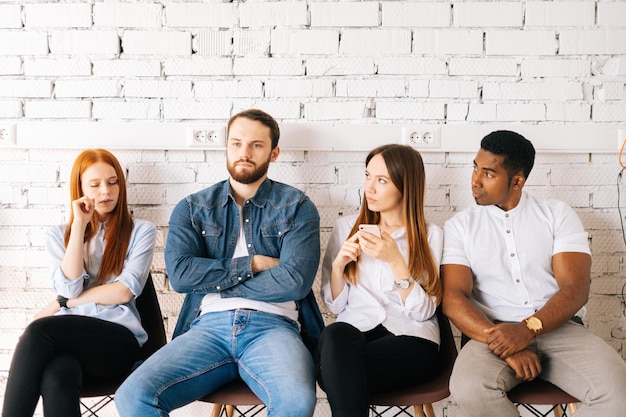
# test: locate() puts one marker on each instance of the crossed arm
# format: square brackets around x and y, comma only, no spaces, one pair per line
[572,271]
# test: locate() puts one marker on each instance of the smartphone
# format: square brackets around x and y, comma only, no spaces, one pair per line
[371,228]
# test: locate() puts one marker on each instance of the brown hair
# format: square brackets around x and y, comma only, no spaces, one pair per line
[261,117]
[406,170]
[120,226]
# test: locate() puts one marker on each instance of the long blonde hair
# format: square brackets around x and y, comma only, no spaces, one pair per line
[120,227]
[406,171]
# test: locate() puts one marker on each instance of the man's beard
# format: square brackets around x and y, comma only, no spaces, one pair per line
[248,177]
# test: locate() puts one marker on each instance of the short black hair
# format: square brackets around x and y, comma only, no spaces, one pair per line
[518,152]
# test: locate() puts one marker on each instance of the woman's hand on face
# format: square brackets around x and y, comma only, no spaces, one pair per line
[350,251]
[49,310]
[83,208]
[383,248]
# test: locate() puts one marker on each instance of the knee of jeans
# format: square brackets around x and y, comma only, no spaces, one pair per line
[298,403]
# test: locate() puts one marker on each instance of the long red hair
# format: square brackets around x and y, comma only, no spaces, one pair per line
[406,171]
[120,227]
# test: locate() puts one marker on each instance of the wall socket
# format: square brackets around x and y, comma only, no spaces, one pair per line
[8,134]
[206,136]
[422,136]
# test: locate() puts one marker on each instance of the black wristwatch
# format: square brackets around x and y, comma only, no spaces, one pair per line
[62,301]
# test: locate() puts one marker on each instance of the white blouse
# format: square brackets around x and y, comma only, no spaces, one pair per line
[375,299]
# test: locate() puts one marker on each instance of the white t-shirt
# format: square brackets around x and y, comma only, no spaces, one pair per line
[375,299]
[510,253]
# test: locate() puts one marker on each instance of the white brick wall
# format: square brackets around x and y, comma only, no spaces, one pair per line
[376,62]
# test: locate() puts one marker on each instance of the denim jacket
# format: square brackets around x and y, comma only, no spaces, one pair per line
[279,221]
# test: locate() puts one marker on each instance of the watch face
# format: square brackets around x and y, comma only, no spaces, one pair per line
[404,284]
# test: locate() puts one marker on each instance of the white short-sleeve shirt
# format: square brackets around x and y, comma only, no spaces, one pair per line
[510,253]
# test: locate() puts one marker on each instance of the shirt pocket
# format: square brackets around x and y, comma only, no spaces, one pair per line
[210,234]
[273,236]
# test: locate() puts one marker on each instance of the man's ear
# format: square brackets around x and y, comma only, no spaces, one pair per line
[518,181]
[274,154]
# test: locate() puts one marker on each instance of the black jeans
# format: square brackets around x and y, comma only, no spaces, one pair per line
[56,354]
[354,365]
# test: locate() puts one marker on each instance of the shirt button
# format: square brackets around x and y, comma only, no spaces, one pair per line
[203,233]
[239,279]
[512,255]
[218,287]
[517,280]
[506,215]
[248,276]
[508,231]
[249,245]
[247,220]
[525,302]
[280,233]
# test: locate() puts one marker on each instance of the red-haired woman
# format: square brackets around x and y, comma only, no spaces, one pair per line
[385,289]
[99,263]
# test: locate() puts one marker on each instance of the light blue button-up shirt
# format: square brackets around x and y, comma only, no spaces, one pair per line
[134,274]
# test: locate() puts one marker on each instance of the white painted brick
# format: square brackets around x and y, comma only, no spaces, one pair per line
[569,112]
[483,66]
[520,112]
[23,43]
[555,67]
[510,42]
[409,110]
[214,43]
[337,14]
[340,66]
[145,195]
[25,88]
[413,15]
[158,88]
[307,42]
[482,112]
[613,66]
[611,14]
[454,88]
[10,16]
[205,15]
[68,15]
[196,109]
[375,42]
[26,217]
[418,88]
[554,89]
[143,42]
[560,14]
[11,65]
[488,14]
[133,110]
[273,14]
[457,111]
[593,41]
[411,65]
[127,15]
[370,88]
[77,66]
[10,109]
[251,42]
[608,112]
[198,66]
[127,68]
[283,110]
[268,66]
[448,42]
[79,42]
[58,109]
[87,88]
[611,91]
[277,88]
[234,88]
[335,110]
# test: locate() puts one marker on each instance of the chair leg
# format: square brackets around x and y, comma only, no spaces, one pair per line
[418,411]
[230,411]
[429,410]
[572,408]
[217,410]
[558,412]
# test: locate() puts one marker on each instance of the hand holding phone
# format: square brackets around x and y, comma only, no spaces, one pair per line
[370,228]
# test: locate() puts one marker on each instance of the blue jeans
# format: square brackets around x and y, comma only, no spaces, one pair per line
[572,358]
[264,349]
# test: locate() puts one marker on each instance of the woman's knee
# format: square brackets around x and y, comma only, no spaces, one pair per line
[62,376]
[339,335]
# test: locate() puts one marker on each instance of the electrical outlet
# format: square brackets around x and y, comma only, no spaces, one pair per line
[206,136]
[8,134]
[422,136]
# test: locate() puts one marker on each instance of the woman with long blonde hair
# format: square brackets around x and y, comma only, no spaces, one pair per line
[99,263]
[383,283]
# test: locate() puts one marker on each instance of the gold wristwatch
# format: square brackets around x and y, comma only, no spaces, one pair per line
[534,324]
